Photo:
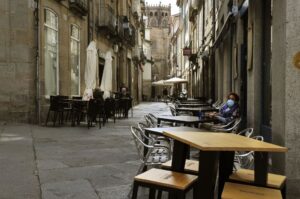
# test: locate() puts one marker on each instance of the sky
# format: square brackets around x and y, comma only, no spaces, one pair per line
[174,8]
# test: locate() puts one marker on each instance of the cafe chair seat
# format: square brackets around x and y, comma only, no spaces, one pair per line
[241,191]
[163,180]
[247,176]
[191,166]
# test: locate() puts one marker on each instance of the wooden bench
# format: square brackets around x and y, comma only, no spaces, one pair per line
[164,180]
[191,166]
[242,191]
[247,176]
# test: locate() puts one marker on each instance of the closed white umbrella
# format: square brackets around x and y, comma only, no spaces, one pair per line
[106,82]
[91,70]
[176,80]
[161,83]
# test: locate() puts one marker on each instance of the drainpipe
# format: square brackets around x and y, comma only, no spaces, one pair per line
[37,59]
[212,61]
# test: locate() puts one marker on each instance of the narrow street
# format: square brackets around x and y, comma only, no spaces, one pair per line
[70,162]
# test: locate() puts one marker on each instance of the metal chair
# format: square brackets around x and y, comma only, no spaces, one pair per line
[156,153]
[246,159]
[150,122]
[231,126]
[246,132]
[155,139]
[173,111]
[57,109]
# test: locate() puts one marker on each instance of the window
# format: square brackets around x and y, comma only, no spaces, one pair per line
[51,53]
[153,22]
[164,23]
[75,60]
[162,14]
[151,14]
[155,13]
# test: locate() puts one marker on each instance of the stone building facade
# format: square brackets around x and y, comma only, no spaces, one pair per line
[248,47]
[158,23]
[43,51]
[36,57]
[117,26]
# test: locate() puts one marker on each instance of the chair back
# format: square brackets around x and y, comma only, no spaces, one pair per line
[138,138]
[235,125]
[173,111]
[55,104]
[77,97]
[246,132]
[142,125]
[153,119]
[258,137]
[152,116]
[149,121]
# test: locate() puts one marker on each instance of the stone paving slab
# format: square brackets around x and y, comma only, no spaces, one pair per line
[39,162]
[79,189]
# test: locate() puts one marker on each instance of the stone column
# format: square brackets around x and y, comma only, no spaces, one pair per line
[286,91]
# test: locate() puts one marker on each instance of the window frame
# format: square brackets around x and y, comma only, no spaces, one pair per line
[79,54]
[57,47]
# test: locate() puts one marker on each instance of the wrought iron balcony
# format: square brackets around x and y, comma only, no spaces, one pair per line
[129,35]
[107,21]
[79,6]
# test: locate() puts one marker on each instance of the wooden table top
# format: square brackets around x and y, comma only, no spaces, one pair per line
[223,142]
[159,131]
[195,109]
[180,118]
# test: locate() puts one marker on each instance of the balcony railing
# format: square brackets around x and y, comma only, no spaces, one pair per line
[129,35]
[107,20]
[79,6]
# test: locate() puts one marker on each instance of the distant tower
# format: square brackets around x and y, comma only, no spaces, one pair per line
[158,23]
[158,15]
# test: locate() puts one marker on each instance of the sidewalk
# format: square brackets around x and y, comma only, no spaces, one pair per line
[70,162]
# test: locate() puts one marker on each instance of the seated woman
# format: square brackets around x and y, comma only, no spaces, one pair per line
[229,111]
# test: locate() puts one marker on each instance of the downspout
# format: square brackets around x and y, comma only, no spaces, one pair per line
[213,69]
[37,59]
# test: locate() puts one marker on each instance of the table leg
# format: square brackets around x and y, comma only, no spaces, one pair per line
[180,151]
[146,141]
[261,168]
[225,169]
[208,169]
[158,122]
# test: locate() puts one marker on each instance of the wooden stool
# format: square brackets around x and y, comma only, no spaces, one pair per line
[191,166]
[246,176]
[241,191]
[163,180]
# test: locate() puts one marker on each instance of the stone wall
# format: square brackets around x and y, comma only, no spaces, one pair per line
[286,92]
[17,61]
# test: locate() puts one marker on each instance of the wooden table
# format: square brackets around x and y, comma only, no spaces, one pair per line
[192,105]
[217,153]
[186,120]
[196,110]
[193,102]
[159,132]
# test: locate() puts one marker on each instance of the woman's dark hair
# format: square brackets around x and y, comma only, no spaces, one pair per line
[236,97]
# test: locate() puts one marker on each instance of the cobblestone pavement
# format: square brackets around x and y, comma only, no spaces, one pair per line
[70,162]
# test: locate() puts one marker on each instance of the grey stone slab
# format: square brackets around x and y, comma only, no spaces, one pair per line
[100,176]
[50,164]
[78,189]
